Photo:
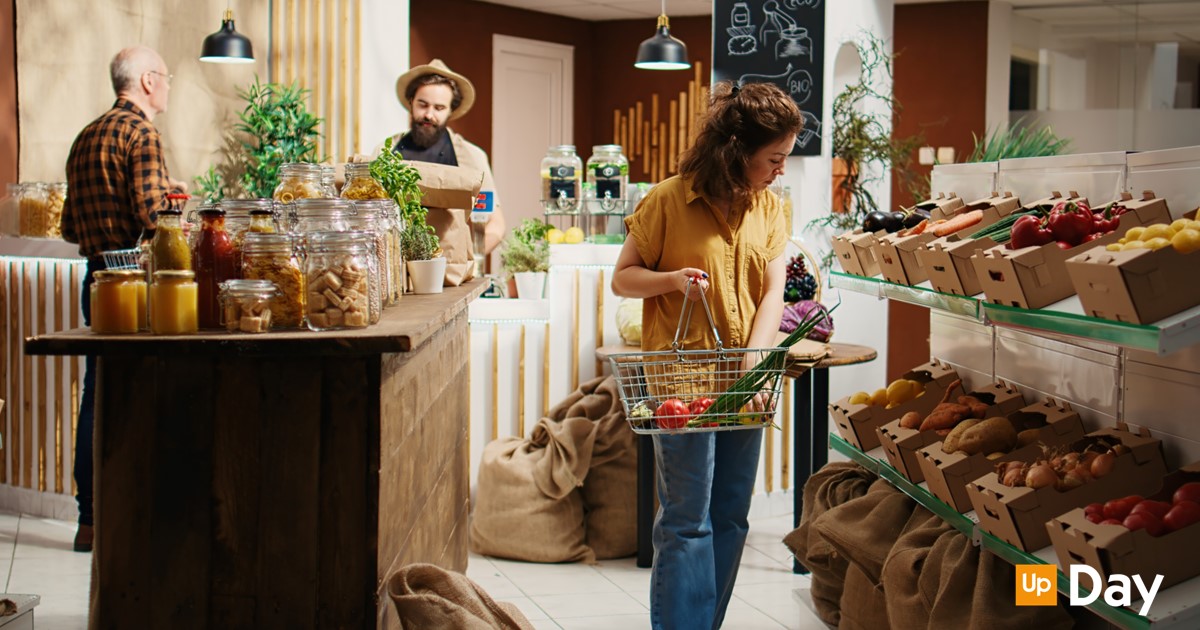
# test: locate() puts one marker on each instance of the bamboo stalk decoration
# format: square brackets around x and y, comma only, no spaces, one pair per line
[59,469]
[495,381]
[672,149]
[13,404]
[29,469]
[653,140]
[521,388]
[43,433]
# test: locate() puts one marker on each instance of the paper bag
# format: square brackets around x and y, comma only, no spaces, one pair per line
[449,193]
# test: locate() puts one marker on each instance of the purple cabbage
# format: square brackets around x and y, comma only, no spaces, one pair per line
[794,314]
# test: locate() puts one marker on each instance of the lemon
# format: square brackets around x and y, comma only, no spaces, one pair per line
[1179,224]
[573,235]
[1158,230]
[1134,233]
[1186,241]
[555,236]
[1158,242]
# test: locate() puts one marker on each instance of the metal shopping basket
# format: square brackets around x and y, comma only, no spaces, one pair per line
[655,385]
[121,258]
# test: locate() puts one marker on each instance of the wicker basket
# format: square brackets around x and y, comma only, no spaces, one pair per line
[813,263]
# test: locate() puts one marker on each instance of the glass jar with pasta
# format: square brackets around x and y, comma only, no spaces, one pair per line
[298,180]
[374,219]
[360,185]
[240,217]
[337,269]
[272,257]
[320,215]
[246,305]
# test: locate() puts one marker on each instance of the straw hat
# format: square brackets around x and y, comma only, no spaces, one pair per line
[437,66]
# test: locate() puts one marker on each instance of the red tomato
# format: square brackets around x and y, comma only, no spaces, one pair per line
[1095,517]
[1188,492]
[1157,508]
[1145,520]
[1183,514]
[1111,521]
[1120,508]
[699,406]
[1097,508]
[672,414]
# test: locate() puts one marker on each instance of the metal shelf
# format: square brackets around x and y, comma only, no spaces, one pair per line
[1064,318]
[1178,606]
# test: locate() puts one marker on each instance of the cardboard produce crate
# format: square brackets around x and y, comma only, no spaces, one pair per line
[943,206]
[855,251]
[857,423]
[1033,277]
[949,473]
[1018,516]
[1111,549]
[897,256]
[903,445]
[947,260]
[1140,286]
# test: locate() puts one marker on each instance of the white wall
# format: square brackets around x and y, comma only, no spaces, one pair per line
[999,64]
[385,40]
[859,319]
[1100,130]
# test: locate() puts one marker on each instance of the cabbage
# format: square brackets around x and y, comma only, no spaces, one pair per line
[794,314]
[629,321]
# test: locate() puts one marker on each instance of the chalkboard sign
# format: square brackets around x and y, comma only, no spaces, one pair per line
[775,41]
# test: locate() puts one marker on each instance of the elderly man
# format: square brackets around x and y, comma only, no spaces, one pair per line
[118,180]
[434,95]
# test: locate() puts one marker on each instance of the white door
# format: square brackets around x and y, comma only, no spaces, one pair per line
[532,84]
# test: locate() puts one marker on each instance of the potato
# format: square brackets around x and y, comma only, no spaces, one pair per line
[990,436]
[879,398]
[901,391]
[1027,437]
[860,398]
[950,444]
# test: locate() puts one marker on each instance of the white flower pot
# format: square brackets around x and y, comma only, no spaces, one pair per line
[427,276]
[531,285]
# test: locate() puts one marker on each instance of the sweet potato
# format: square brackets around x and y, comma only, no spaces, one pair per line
[978,408]
[991,435]
[911,420]
[945,416]
[950,444]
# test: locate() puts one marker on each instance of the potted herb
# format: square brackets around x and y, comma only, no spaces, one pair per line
[526,256]
[424,264]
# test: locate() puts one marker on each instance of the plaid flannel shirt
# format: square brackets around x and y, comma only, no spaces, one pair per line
[116,181]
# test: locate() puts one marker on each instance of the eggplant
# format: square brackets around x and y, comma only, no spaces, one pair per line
[874,221]
[893,221]
[913,219]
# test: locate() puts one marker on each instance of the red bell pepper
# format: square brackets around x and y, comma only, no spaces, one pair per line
[1029,231]
[1108,219]
[1071,222]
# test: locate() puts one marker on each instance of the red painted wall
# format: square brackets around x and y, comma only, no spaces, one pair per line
[8,94]
[941,84]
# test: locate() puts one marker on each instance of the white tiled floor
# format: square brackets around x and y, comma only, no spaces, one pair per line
[36,557]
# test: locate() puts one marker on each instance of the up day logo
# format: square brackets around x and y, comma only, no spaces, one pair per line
[1035,587]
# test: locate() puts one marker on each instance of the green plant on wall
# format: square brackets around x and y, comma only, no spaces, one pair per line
[274,128]
[1017,141]
[862,136]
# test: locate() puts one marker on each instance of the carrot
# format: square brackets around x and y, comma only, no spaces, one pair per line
[960,222]
[919,228]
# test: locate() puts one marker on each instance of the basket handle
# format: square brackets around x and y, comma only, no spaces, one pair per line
[685,315]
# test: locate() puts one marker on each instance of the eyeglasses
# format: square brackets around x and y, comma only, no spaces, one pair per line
[168,76]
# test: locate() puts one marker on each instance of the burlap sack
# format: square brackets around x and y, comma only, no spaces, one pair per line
[527,505]
[428,597]
[863,530]
[449,193]
[863,604]
[833,485]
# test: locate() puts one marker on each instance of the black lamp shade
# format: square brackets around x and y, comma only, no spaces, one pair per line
[227,45]
[662,52]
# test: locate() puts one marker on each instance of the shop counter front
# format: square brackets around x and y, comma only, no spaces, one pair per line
[276,480]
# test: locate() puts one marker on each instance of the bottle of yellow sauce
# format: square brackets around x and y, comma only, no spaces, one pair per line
[173,303]
[114,301]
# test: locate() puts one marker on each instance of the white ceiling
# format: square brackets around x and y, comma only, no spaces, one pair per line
[1105,20]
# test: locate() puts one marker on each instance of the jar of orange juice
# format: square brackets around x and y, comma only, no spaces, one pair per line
[173,303]
[115,302]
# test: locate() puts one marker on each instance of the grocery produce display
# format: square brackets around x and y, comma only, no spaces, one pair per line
[1069,223]
[1063,468]
[1182,235]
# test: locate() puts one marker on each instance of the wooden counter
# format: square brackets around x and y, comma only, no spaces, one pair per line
[274,481]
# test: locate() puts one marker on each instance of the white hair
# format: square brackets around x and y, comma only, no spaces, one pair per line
[129,65]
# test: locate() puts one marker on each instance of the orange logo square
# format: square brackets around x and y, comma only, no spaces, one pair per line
[1036,585]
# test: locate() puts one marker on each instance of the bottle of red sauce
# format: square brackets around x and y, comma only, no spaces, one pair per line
[214,263]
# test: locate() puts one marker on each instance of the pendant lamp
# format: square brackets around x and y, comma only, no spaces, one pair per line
[227,45]
[662,52]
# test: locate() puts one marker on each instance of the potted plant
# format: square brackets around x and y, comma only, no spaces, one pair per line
[424,264]
[526,255]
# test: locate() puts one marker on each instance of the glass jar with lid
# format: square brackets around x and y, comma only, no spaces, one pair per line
[173,303]
[169,248]
[375,218]
[118,301]
[562,174]
[320,215]
[298,180]
[246,305]
[337,265]
[214,263]
[360,185]
[272,257]
[328,181]
[56,197]
[32,204]
[240,216]
[608,172]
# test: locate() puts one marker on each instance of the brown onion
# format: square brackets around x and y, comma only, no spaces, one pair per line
[1120,449]
[1040,476]
[1103,464]
[1071,480]
[1015,477]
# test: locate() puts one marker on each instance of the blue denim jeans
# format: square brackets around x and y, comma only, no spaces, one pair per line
[87,411]
[705,482]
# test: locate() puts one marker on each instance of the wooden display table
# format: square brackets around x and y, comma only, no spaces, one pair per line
[811,397]
[275,481]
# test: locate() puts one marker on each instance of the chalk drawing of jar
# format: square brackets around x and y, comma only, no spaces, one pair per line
[794,42]
[740,15]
